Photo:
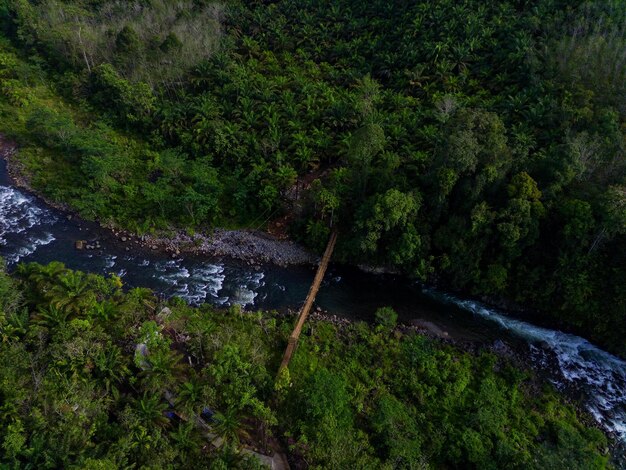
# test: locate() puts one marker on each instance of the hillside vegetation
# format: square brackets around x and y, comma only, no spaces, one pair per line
[96,378]
[477,144]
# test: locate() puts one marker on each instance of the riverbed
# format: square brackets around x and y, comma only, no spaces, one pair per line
[30,230]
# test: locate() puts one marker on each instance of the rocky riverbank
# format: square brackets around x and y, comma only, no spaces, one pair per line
[253,247]
[19,176]
[508,352]
[250,246]
[501,348]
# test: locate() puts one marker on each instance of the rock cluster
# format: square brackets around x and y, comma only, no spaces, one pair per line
[84,245]
[250,246]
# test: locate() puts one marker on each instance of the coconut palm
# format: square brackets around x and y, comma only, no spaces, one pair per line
[70,292]
[164,368]
[150,409]
[228,425]
[110,367]
[51,317]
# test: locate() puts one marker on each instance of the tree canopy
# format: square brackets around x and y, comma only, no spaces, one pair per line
[93,376]
[478,145]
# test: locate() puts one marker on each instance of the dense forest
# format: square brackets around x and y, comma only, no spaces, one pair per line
[475,144]
[93,377]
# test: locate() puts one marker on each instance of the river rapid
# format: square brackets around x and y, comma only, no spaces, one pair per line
[32,231]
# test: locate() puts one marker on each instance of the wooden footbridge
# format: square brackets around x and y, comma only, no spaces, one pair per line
[308,304]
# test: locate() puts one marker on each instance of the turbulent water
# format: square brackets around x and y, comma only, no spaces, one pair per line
[31,231]
[18,215]
[583,369]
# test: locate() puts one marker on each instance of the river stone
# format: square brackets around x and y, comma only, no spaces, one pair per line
[124,239]
[80,244]
[264,460]
[141,351]
[429,326]
[164,314]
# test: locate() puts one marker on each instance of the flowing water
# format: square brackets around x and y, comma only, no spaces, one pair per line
[32,231]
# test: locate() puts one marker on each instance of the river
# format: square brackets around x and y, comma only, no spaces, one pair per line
[32,231]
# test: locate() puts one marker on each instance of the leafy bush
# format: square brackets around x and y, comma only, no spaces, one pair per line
[92,375]
[386,317]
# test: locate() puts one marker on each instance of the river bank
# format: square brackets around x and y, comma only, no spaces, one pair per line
[366,359]
[34,232]
[507,352]
[253,247]
[250,246]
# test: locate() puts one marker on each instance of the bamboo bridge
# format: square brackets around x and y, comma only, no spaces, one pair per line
[308,304]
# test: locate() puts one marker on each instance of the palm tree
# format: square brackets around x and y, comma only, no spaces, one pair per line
[70,292]
[165,367]
[41,278]
[110,366]
[189,396]
[186,438]
[202,74]
[103,311]
[150,410]
[14,326]
[228,425]
[51,317]
[230,456]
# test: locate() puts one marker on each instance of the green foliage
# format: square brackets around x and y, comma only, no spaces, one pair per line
[446,140]
[95,376]
[127,41]
[171,43]
[383,218]
[386,317]
[397,432]
[131,103]
[147,41]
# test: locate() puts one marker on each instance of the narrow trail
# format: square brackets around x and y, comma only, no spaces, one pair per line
[306,308]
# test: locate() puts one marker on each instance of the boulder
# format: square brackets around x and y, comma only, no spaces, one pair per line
[141,352]
[80,244]
[430,327]
[502,348]
[164,314]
